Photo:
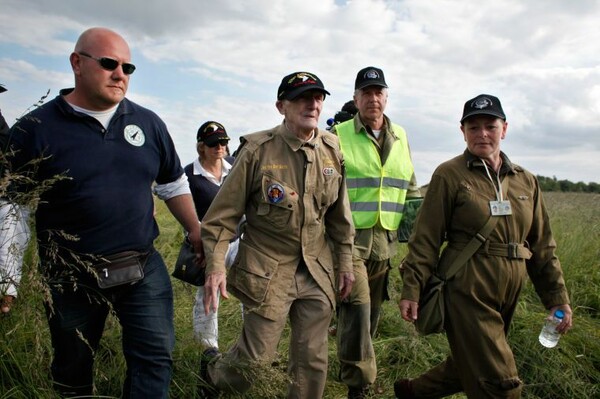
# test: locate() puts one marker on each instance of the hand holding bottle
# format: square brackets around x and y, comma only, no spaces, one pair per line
[567,321]
[558,322]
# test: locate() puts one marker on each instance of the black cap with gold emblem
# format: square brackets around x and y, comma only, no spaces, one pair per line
[210,133]
[297,83]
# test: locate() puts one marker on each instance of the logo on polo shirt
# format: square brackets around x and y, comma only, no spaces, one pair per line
[134,135]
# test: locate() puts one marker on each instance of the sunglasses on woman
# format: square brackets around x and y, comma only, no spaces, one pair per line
[222,143]
[111,64]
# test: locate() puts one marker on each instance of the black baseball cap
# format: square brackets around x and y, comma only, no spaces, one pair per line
[483,104]
[297,83]
[211,132]
[2,88]
[369,76]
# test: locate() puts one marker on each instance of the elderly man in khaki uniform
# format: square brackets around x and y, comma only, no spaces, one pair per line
[289,182]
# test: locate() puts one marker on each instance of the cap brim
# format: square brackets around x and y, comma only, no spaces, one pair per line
[482,112]
[214,139]
[295,93]
[367,84]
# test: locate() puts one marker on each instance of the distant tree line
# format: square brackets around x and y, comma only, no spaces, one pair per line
[553,184]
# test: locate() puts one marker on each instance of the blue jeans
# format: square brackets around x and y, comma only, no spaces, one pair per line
[145,312]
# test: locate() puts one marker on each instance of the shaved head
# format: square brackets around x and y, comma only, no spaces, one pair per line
[92,36]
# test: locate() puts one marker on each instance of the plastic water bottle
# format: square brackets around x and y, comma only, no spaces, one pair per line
[549,336]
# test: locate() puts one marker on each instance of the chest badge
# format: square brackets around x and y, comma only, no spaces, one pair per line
[275,193]
[500,208]
[328,171]
[134,135]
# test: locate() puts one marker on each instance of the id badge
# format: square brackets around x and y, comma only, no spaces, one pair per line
[500,208]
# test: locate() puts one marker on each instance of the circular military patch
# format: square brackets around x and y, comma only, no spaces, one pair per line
[275,193]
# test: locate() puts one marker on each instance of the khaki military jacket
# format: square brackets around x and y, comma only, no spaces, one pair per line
[456,207]
[293,194]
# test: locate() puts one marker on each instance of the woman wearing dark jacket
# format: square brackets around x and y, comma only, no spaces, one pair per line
[205,175]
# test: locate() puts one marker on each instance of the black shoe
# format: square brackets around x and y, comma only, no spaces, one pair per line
[206,390]
[403,389]
[358,393]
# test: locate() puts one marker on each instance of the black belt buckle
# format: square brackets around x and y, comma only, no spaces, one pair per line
[513,250]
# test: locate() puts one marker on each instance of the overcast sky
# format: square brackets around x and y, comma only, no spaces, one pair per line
[223,60]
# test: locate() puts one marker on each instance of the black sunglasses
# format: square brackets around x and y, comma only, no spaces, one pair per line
[111,64]
[223,143]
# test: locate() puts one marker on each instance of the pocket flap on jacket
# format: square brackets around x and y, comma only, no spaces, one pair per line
[252,274]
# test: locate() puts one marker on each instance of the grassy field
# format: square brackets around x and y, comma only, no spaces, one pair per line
[572,370]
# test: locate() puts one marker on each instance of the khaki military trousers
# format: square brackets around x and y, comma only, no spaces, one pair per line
[378,272]
[310,313]
[480,304]
[357,323]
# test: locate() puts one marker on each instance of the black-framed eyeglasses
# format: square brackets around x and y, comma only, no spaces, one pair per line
[222,143]
[110,64]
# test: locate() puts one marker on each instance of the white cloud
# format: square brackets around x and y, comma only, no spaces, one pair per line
[200,60]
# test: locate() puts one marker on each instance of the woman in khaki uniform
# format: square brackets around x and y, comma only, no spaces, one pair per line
[481,299]
[289,182]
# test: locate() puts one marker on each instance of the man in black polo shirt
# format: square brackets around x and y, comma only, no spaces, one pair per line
[110,151]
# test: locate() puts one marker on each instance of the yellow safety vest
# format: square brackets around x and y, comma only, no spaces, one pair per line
[376,191]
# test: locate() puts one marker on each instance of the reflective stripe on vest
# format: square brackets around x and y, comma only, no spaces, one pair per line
[376,192]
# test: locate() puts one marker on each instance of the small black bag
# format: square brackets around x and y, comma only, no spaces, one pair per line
[186,268]
[431,307]
[121,268]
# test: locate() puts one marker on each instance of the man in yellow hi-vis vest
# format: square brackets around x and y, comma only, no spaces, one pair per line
[380,175]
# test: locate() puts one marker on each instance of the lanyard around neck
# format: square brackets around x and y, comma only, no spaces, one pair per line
[498,187]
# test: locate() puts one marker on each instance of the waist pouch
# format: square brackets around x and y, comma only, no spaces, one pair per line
[121,268]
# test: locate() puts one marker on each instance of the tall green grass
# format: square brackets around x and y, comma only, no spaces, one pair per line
[572,370]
